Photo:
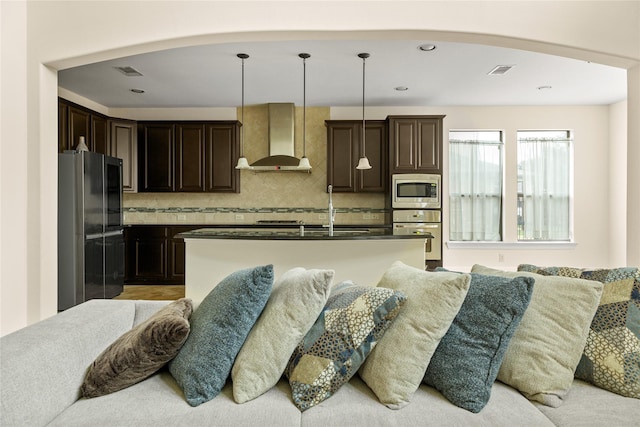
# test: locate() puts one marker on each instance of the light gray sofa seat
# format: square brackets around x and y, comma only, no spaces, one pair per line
[43,366]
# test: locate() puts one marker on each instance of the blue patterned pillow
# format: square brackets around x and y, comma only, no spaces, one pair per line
[219,327]
[352,321]
[468,358]
[611,357]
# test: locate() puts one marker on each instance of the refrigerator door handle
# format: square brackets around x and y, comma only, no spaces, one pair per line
[94,236]
[113,233]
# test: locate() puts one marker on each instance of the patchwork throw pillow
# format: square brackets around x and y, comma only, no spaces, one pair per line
[219,327]
[295,303]
[396,366]
[466,362]
[140,352]
[611,357]
[546,348]
[350,325]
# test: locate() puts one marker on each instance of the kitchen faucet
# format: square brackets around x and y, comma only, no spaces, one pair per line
[332,211]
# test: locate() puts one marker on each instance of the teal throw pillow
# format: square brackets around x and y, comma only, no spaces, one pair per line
[468,358]
[219,327]
[351,323]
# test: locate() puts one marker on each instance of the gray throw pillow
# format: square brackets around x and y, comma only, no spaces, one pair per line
[295,303]
[219,327]
[140,352]
[466,362]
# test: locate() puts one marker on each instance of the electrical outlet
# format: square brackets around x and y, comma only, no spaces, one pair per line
[182,217]
[500,257]
[239,217]
[375,216]
[366,216]
[322,216]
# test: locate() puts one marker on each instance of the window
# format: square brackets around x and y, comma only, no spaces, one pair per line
[544,185]
[475,185]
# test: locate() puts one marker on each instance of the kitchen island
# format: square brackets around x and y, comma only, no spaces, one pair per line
[358,254]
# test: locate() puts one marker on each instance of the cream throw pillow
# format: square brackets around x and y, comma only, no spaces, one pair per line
[295,303]
[396,366]
[546,348]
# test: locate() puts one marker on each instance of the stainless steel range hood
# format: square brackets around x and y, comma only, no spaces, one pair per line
[281,140]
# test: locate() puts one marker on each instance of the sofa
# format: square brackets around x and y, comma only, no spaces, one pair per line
[44,365]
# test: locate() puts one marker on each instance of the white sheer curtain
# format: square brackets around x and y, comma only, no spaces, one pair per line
[475,186]
[544,172]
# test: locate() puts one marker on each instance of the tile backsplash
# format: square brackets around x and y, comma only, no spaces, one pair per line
[264,195]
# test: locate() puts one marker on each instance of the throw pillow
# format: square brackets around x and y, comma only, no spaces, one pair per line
[396,367]
[353,320]
[611,357]
[140,352]
[295,303]
[546,347]
[466,362]
[219,327]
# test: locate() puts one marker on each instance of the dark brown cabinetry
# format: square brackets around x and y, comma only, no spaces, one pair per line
[415,144]
[100,135]
[344,148]
[188,156]
[75,121]
[124,145]
[153,254]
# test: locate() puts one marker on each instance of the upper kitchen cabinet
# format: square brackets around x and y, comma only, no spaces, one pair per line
[188,156]
[75,121]
[415,144]
[124,144]
[344,149]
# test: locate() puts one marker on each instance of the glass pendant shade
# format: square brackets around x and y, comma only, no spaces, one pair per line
[363,163]
[243,163]
[304,163]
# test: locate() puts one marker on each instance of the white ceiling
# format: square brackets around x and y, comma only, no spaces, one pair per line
[454,74]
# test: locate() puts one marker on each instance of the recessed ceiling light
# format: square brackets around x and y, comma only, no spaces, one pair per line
[401,88]
[427,47]
[543,87]
[137,90]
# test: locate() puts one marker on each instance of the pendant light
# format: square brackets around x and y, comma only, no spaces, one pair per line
[304,161]
[363,163]
[242,160]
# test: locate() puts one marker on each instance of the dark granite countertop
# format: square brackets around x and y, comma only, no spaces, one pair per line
[284,233]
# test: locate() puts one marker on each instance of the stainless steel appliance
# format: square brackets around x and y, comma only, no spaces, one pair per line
[90,232]
[422,222]
[415,191]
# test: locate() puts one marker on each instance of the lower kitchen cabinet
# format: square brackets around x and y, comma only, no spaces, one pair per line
[153,255]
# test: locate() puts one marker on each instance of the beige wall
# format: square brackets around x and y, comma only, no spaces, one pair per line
[39,37]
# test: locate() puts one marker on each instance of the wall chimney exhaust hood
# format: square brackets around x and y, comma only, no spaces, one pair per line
[281,140]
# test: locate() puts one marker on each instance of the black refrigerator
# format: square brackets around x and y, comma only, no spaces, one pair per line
[90,230]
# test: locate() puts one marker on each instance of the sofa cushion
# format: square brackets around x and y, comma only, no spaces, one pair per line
[546,347]
[611,357]
[219,327]
[466,362]
[139,352]
[295,303]
[396,366]
[350,325]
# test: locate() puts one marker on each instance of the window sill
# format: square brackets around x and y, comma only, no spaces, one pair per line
[512,245]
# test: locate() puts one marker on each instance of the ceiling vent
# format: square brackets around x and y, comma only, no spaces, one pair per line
[500,70]
[129,71]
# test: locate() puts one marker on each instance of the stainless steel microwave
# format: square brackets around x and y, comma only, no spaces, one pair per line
[415,191]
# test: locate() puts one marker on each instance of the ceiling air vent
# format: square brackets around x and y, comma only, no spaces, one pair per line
[129,71]
[500,70]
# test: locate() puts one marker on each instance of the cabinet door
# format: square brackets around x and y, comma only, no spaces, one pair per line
[429,147]
[155,151]
[63,127]
[99,134]
[404,142]
[221,155]
[342,141]
[146,254]
[375,179]
[176,256]
[79,125]
[124,145]
[189,157]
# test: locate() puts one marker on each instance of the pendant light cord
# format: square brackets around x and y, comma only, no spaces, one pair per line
[242,56]
[364,56]
[304,106]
